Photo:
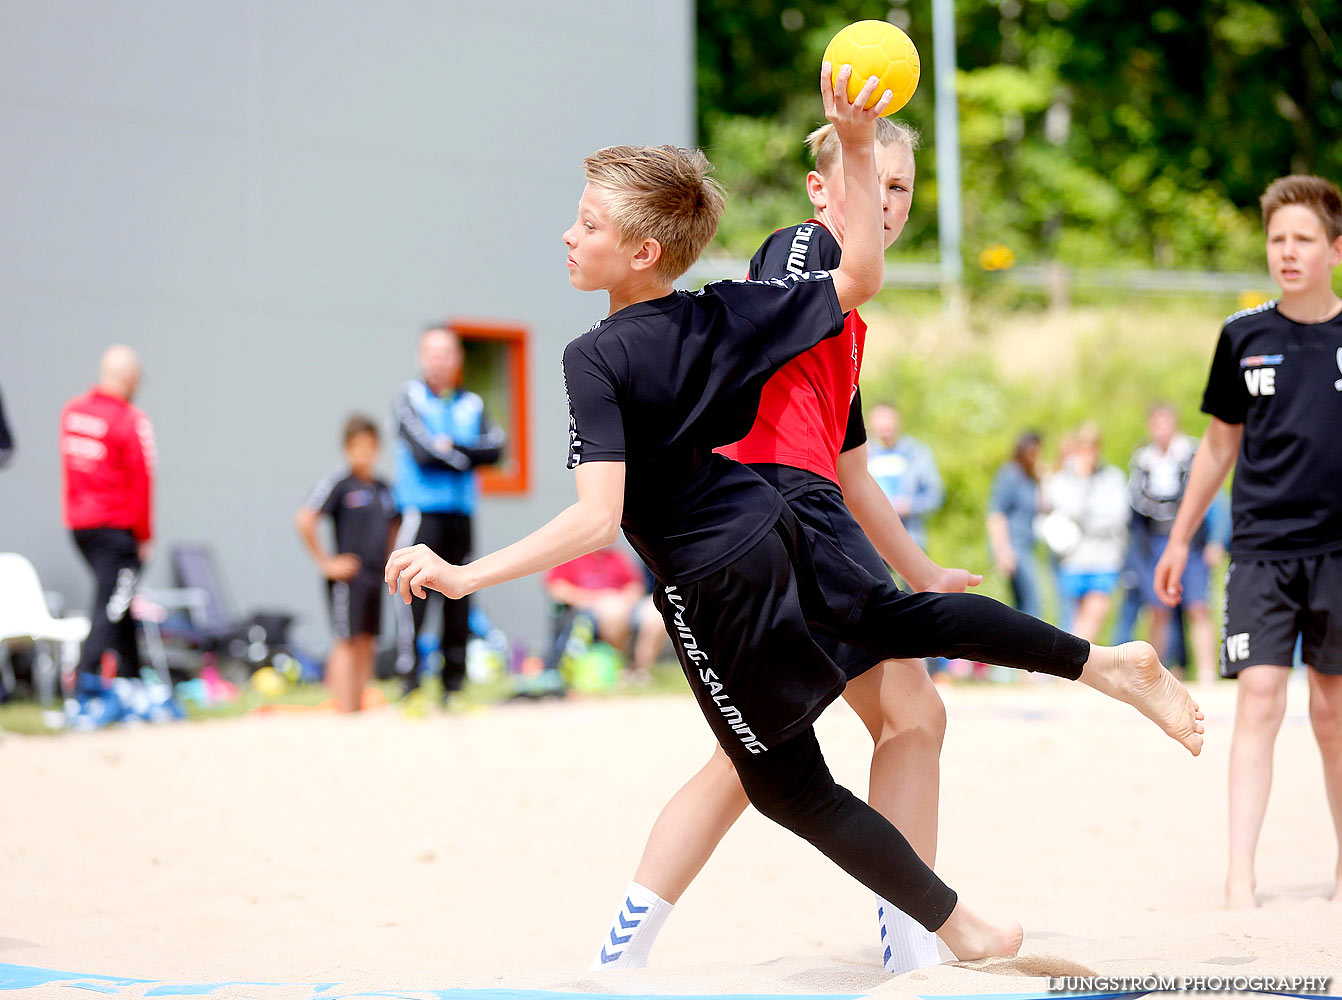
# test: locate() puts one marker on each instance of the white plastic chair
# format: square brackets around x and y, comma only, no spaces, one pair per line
[24,615]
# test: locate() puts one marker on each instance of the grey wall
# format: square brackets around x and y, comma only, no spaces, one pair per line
[267,199]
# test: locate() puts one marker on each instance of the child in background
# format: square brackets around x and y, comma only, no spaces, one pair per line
[365,520]
[1274,395]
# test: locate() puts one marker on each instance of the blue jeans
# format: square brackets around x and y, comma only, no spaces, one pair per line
[1025,587]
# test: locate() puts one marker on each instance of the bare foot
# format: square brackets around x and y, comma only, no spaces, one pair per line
[1241,894]
[970,937]
[1132,673]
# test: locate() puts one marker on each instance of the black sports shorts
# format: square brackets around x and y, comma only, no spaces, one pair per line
[1270,602]
[356,606]
[824,510]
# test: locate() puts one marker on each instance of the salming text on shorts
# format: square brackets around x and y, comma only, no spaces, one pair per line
[1270,602]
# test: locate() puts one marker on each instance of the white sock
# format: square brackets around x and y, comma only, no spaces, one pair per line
[905,944]
[633,931]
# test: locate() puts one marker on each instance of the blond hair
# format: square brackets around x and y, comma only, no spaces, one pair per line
[824,141]
[662,193]
[1318,195]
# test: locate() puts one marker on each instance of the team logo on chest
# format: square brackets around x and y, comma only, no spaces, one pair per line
[1260,373]
[1338,384]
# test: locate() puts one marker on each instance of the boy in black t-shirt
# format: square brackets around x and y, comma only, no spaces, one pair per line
[1275,399]
[365,520]
[653,388]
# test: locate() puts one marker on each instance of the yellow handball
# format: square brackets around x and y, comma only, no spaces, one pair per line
[879,49]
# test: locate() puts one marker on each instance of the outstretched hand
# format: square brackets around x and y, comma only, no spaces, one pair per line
[413,571]
[853,120]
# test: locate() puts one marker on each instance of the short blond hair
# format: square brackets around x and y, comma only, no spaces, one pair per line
[1318,195]
[662,193]
[824,141]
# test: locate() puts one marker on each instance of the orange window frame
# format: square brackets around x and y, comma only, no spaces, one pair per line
[513,474]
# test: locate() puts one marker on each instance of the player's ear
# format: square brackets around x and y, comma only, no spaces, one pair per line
[1336,256]
[649,253]
[815,189]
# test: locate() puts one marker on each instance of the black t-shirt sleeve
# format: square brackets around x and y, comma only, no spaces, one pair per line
[795,250]
[771,322]
[1225,397]
[856,434]
[596,426]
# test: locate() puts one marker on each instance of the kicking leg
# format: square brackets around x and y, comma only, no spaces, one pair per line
[1325,715]
[1260,705]
[979,628]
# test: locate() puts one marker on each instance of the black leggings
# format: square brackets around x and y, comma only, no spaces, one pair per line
[449,535]
[114,557]
[792,786]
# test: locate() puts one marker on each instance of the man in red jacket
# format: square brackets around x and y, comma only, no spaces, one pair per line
[107,454]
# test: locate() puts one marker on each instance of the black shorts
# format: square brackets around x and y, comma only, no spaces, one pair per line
[1270,602]
[824,511]
[742,638]
[356,606]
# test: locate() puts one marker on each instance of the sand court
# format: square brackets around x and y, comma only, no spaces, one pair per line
[382,855]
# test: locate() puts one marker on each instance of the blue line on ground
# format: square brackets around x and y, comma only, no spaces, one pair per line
[24,977]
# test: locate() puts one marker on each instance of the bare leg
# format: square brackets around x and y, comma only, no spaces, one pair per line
[650,639]
[614,613]
[1260,705]
[900,706]
[364,655]
[340,673]
[1203,640]
[1132,673]
[1159,629]
[1090,612]
[690,826]
[1325,715]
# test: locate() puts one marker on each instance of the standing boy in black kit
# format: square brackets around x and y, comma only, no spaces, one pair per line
[652,390]
[365,520]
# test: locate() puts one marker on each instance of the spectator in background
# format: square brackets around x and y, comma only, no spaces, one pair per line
[1012,507]
[365,520]
[1087,528]
[442,435]
[1157,477]
[107,457]
[6,439]
[905,469]
[605,585]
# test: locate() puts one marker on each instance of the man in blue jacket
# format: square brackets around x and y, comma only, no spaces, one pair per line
[442,434]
